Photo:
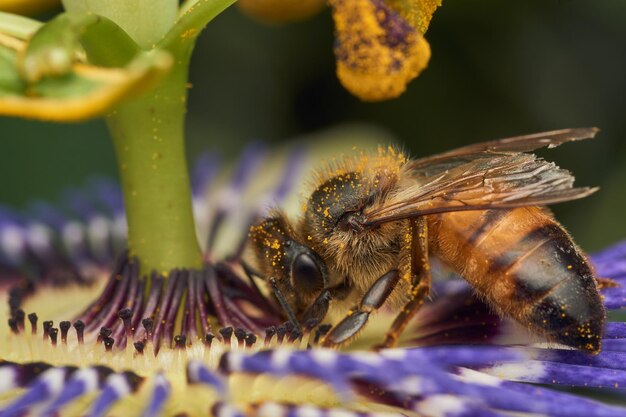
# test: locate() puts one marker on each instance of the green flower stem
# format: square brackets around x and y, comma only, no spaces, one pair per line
[148,134]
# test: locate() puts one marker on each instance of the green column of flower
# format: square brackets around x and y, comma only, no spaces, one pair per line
[148,134]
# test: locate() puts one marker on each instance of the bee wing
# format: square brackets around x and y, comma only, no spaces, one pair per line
[491,181]
[440,162]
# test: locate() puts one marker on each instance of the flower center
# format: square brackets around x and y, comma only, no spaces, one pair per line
[138,323]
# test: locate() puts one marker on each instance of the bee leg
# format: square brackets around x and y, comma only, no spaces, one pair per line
[372,300]
[252,274]
[420,280]
[282,300]
[317,311]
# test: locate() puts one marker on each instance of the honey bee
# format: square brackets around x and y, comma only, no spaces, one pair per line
[373,221]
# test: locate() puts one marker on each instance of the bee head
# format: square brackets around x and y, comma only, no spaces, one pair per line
[299,272]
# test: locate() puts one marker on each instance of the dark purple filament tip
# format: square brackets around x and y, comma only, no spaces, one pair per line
[32,317]
[269,333]
[79,325]
[180,341]
[294,335]
[104,333]
[148,324]
[226,333]
[47,325]
[240,334]
[108,343]
[281,331]
[19,317]
[139,346]
[250,339]
[53,332]
[13,325]
[208,339]
[65,327]
[126,314]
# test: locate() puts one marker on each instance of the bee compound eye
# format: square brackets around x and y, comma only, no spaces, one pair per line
[307,273]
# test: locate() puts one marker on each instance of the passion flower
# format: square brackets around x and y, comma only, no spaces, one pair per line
[211,341]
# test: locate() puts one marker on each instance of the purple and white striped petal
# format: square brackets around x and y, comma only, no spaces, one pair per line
[221,409]
[276,409]
[82,382]
[197,373]
[446,405]
[503,395]
[562,373]
[42,390]
[160,394]
[116,387]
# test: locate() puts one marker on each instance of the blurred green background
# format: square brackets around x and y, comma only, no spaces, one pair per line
[498,68]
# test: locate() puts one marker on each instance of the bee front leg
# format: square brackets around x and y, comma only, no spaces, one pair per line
[317,311]
[420,280]
[377,294]
[282,300]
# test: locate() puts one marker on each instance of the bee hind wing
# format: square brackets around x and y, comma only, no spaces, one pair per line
[524,143]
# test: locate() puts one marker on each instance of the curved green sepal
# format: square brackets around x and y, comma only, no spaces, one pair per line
[146,21]
[18,26]
[56,47]
[194,17]
[84,92]
[28,6]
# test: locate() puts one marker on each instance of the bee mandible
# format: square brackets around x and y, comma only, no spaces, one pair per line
[373,221]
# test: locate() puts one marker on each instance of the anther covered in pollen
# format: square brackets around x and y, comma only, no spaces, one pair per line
[378,50]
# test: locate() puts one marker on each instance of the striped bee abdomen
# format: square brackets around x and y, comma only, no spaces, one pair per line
[527,266]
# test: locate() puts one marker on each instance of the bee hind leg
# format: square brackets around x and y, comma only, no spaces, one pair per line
[420,280]
[377,294]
